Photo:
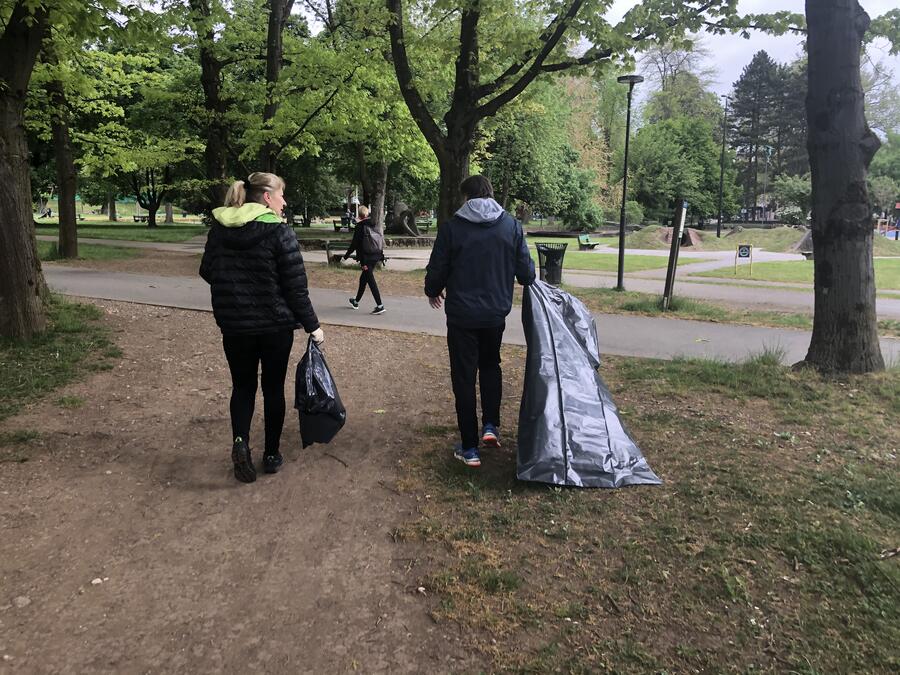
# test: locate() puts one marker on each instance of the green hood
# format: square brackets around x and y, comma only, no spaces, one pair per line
[238,216]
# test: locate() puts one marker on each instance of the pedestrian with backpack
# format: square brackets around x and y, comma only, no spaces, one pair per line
[368,242]
[253,265]
[477,255]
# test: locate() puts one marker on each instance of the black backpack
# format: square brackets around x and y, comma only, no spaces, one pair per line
[372,243]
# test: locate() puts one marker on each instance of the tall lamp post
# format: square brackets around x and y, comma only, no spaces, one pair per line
[631,80]
[722,162]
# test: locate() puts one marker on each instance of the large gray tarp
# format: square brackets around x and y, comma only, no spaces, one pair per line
[569,428]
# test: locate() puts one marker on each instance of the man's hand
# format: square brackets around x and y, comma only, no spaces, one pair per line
[436,301]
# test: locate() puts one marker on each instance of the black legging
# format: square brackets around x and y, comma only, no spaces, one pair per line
[367,277]
[244,354]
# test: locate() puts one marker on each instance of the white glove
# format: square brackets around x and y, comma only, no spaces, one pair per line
[318,336]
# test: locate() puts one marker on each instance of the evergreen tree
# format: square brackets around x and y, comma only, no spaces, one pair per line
[785,123]
[751,100]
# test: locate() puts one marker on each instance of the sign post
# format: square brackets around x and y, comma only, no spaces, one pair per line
[677,232]
[743,251]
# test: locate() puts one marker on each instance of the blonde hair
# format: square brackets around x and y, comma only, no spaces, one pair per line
[363,211]
[253,188]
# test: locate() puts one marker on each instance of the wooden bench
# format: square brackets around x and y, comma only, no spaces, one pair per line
[585,243]
[423,224]
[140,219]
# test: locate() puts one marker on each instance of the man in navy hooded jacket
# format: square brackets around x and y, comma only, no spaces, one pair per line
[476,257]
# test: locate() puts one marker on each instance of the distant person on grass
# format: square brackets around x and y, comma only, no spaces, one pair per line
[477,256]
[253,265]
[368,242]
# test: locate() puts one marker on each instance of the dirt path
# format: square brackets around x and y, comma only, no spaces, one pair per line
[129,547]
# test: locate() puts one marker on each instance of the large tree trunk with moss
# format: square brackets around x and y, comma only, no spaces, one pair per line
[841,145]
[23,292]
[66,175]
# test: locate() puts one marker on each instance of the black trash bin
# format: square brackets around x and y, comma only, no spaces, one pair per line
[550,262]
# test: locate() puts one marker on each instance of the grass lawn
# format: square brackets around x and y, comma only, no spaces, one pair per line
[130,231]
[609,262]
[75,343]
[881,246]
[887,272]
[47,250]
[766,548]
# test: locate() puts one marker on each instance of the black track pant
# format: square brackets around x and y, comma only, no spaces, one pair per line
[244,354]
[367,277]
[475,351]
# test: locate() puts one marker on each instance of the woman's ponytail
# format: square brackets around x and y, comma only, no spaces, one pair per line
[236,195]
[253,189]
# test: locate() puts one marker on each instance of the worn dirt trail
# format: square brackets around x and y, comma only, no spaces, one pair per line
[295,573]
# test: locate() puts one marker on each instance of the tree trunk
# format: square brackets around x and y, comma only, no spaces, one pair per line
[170,213]
[841,145]
[365,179]
[23,293]
[151,213]
[378,192]
[279,11]
[453,158]
[111,200]
[504,193]
[216,129]
[65,172]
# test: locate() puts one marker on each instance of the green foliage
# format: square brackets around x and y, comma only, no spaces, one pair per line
[678,158]
[685,96]
[794,192]
[634,214]
[886,161]
[884,193]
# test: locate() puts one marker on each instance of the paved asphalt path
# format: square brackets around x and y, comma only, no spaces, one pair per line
[759,295]
[619,334]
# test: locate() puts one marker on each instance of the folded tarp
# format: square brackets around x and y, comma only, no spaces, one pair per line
[569,428]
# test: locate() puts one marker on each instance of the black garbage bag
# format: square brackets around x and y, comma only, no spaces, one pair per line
[569,428]
[316,398]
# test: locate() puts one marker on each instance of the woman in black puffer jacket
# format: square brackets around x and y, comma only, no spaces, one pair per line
[253,265]
[368,242]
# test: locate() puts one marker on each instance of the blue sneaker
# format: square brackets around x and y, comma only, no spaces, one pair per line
[490,436]
[468,457]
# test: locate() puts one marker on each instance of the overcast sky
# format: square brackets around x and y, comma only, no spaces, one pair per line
[730,53]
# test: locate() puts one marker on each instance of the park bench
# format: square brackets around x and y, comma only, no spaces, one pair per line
[140,219]
[423,224]
[585,243]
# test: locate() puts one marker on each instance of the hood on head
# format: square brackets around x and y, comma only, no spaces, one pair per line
[237,216]
[481,210]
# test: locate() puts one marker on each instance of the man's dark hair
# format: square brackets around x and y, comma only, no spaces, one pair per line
[476,187]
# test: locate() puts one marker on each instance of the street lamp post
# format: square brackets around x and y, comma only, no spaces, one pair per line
[722,168]
[768,150]
[631,80]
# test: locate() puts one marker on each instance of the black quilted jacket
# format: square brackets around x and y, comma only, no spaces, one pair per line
[257,279]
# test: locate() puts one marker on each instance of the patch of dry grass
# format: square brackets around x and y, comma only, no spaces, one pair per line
[760,551]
